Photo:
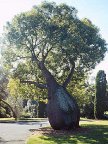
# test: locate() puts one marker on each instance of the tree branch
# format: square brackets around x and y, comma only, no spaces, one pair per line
[34,57]
[42,86]
[39,42]
[44,57]
[42,50]
[68,79]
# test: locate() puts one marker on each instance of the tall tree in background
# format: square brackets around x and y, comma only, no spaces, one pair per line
[55,42]
[100,94]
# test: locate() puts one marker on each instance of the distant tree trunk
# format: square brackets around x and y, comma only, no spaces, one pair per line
[62,109]
[42,110]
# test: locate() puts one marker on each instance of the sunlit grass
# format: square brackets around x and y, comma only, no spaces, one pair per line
[93,132]
[7,119]
[33,119]
[23,119]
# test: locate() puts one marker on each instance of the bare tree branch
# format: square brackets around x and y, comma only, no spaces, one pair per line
[42,86]
[68,79]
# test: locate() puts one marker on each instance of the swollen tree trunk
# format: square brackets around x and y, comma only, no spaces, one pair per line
[62,109]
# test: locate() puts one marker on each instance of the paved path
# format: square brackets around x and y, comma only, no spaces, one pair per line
[17,133]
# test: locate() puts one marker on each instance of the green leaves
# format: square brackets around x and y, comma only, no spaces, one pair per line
[51,34]
[99,102]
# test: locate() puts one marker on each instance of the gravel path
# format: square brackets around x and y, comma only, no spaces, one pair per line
[17,133]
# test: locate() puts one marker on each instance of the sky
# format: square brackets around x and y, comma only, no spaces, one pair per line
[95,10]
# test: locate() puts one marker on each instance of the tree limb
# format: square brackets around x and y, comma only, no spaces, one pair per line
[42,86]
[34,57]
[44,57]
[68,79]
[37,44]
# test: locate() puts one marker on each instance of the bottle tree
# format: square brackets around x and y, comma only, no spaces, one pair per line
[55,42]
[99,105]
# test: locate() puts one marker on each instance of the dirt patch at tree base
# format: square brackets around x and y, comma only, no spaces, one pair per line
[56,133]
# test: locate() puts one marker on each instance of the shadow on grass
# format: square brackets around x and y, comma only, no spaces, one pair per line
[92,134]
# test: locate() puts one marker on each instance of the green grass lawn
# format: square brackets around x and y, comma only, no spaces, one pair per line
[22,119]
[7,119]
[91,132]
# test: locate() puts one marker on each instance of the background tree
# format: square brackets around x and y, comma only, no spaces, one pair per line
[99,105]
[5,108]
[56,43]
[84,93]
[20,93]
[15,99]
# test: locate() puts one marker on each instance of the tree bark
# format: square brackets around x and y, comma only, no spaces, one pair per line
[62,109]
[68,79]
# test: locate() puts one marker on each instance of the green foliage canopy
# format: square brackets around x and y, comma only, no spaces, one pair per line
[53,34]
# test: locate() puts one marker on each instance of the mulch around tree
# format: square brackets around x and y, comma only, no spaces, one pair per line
[56,133]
